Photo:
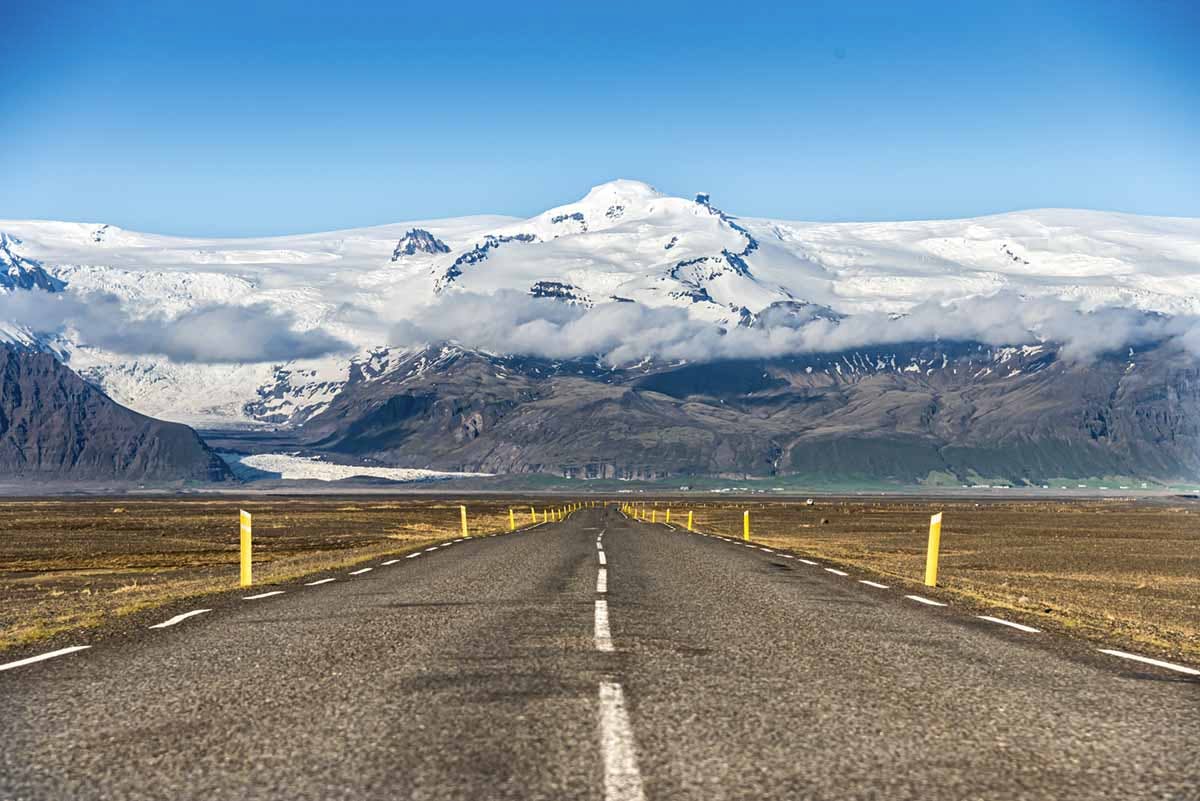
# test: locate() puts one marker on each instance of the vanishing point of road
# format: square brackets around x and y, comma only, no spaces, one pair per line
[597,658]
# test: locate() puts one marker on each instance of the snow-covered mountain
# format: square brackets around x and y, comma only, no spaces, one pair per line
[623,241]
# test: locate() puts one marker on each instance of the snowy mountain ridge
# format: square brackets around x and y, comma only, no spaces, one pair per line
[623,241]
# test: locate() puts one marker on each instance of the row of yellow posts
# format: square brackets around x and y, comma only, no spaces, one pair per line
[246,531]
[932,549]
[637,512]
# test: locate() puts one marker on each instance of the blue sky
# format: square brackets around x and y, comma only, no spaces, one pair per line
[246,118]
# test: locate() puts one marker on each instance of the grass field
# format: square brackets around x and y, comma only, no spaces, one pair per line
[71,563]
[1102,568]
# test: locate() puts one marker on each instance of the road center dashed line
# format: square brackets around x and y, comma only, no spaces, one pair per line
[836,572]
[1147,660]
[390,562]
[360,572]
[809,562]
[622,780]
[319,582]
[602,581]
[926,601]
[603,558]
[44,657]
[179,618]
[603,634]
[262,595]
[413,555]
[874,584]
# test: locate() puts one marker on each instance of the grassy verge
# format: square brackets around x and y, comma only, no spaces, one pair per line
[70,564]
[1124,570]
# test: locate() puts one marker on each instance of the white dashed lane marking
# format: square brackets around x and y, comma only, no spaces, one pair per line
[603,558]
[1010,624]
[1147,660]
[622,780]
[319,582]
[603,634]
[925,601]
[360,572]
[602,581]
[808,562]
[836,572]
[262,595]
[179,618]
[390,562]
[874,584]
[413,555]
[44,657]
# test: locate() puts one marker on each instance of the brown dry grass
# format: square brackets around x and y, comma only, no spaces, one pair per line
[66,564]
[1105,568]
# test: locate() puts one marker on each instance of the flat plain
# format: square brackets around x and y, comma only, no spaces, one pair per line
[1112,570]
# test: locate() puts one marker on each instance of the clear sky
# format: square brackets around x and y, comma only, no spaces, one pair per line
[238,118]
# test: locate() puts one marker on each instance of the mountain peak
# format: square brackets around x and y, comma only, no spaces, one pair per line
[622,191]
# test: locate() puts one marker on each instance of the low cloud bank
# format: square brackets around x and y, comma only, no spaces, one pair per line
[625,333]
[207,334]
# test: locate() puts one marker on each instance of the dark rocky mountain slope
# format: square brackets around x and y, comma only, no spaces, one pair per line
[54,426]
[913,413]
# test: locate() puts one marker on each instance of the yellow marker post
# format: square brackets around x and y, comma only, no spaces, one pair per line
[746,525]
[247,569]
[689,521]
[512,521]
[931,555]
[653,515]
[532,514]
[463,511]
[668,519]
[545,516]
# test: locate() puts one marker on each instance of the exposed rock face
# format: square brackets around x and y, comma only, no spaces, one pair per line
[905,413]
[418,240]
[55,426]
[19,272]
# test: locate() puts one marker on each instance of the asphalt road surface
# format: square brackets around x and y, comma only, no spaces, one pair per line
[599,658]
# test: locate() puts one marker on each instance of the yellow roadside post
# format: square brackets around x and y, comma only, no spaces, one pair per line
[512,521]
[689,521]
[532,514]
[668,518]
[463,511]
[931,555]
[545,515]
[247,576]
[746,525]
[653,515]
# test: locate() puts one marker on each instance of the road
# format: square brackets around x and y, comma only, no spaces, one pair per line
[512,667]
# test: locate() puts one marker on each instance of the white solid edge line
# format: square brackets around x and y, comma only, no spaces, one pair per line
[603,634]
[390,562]
[262,595]
[926,601]
[602,581]
[319,581]
[360,572]
[603,558]
[622,780]
[179,618]
[413,555]
[836,572]
[874,584]
[45,656]
[1010,624]
[1125,655]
